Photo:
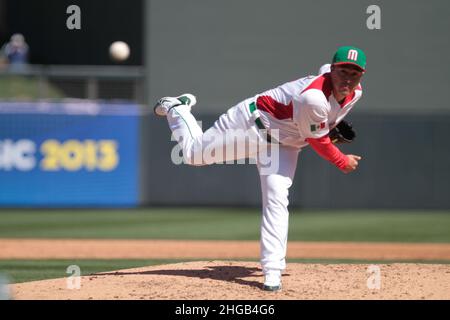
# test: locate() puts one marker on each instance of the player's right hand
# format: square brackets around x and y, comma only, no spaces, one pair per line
[352,163]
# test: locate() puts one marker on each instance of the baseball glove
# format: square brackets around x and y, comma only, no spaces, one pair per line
[342,133]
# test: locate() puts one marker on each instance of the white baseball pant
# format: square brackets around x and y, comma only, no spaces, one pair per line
[198,146]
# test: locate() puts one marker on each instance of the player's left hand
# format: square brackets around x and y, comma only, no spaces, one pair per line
[342,133]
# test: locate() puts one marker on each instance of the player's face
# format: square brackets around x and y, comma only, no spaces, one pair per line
[345,79]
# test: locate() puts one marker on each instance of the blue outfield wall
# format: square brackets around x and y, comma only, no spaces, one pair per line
[69,154]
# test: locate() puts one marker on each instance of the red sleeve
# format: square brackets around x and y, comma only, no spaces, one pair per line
[328,151]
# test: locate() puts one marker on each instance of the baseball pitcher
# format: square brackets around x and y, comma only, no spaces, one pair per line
[307,111]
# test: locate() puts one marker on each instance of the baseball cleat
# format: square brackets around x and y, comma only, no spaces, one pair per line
[272,288]
[164,105]
[272,281]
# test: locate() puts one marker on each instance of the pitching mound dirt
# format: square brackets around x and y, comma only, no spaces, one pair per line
[243,280]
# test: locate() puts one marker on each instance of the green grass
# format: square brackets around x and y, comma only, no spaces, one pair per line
[377,226]
[32,270]
[225,224]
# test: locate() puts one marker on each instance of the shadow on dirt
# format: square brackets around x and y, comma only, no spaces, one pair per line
[223,273]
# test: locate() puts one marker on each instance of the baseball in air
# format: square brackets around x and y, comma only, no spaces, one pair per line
[119,51]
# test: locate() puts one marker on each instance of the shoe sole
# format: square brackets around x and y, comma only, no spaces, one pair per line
[272,288]
[161,112]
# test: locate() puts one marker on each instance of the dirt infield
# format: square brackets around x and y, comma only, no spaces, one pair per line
[235,279]
[184,249]
[226,280]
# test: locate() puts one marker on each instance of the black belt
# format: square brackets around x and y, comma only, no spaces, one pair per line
[260,125]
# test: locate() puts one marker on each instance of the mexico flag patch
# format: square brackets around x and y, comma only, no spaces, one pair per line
[315,127]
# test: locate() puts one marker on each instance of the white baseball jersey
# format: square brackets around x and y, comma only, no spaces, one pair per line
[304,108]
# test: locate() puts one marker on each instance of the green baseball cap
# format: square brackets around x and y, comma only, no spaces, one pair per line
[350,55]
